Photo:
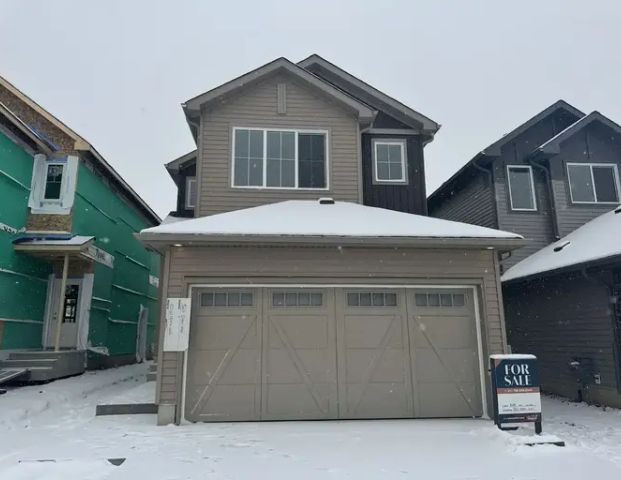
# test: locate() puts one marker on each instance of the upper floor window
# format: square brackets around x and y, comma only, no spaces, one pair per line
[270,158]
[52,190]
[593,182]
[190,192]
[389,165]
[521,188]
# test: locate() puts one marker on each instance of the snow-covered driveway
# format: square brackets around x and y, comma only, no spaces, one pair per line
[59,424]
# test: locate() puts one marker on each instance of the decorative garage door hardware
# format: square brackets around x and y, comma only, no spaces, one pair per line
[278,359]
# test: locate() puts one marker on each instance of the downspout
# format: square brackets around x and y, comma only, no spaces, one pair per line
[548,177]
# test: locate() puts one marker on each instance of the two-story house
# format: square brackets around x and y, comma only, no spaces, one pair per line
[76,286]
[319,287]
[551,179]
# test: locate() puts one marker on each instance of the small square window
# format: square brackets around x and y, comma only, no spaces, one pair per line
[353,299]
[316,299]
[233,299]
[378,299]
[278,299]
[365,300]
[291,300]
[433,300]
[246,299]
[304,299]
[389,161]
[446,299]
[459,300]
[391,299]
[220,299]
[421,299]
[207,299]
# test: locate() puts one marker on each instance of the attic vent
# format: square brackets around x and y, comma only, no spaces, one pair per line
[618,210]
[326,201]
[561,246]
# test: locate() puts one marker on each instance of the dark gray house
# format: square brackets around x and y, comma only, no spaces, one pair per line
[562,304]
[545,179]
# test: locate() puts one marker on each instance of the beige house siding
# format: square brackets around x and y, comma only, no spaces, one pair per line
[257,265]
[258,107]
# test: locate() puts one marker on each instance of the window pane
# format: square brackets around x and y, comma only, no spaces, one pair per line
[433,300]
[255,147]
[353,300]
[580,183]
[304,299]
[391,299]
[459,300]
[248,158]
[207,300]
[383,171]
[278,299]
[273,173]
[280,159]
[421,299]
[395,172]
[381,152]
[288,173]
[255,172]
[246,299]
[316,299]
[220,300]
[241,143]
[605,184]
[312,159]
[521,188]
[365,299]
[291,299]
[446,299]
[241,171]
[53,182]
[378,300]
[233,299]
[394,153]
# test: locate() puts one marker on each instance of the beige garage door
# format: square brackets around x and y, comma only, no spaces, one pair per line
[276,354]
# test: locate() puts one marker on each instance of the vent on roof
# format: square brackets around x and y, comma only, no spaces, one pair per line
[560,247]
[326,201]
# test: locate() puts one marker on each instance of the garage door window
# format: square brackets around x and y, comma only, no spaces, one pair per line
[297,299]
[440,299]
[226,299]
[371,299]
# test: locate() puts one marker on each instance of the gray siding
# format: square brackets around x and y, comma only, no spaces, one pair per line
[594,144]
[248,265]
[559,319]
[470,202]
[257,106]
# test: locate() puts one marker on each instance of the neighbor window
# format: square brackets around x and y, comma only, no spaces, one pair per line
[190,192]
[279,158]
[593,182]
[521,188]
[389,161]
[53,181]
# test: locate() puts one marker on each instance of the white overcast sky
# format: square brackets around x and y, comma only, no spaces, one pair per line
[117,71]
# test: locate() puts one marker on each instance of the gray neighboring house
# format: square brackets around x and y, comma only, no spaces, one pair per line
[562,304]
[548,177]
[320,289]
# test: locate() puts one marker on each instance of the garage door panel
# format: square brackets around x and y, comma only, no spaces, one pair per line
[364,330]
[377,400]
[446,400]
[459,364]
[444,332]
[389,367]
[227,402]
[295,401]
[241,368]
[223,331]
[302,331]
[281,369]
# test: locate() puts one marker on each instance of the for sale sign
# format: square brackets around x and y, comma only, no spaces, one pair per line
[515,381]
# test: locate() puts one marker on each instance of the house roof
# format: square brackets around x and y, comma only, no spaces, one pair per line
[174,165]
[381,100]
[25,130]
[192,106]
[336,222]
[553,146]
[82,144]
[594,241]
[494,149]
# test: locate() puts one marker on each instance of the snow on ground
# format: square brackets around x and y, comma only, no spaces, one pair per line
[59,424]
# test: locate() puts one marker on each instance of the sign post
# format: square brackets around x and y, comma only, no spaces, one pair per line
[515,388]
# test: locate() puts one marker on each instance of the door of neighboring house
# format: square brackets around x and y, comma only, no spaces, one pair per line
[70,315]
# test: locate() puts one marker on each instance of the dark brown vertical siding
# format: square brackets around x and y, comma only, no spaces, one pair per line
[560,318]
[410,197]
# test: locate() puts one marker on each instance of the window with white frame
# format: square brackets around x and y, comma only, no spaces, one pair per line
[53,184]
[190,192]
[389,165]
[273,158]
[521,188]
[593,182]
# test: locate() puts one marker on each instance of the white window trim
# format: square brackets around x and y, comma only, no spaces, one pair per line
[188,198]
[615,170]
[404,179]
[37,201]
[297,131]
[532,187]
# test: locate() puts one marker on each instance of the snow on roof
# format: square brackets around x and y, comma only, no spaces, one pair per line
[172,219]
[337,219]
[595,240]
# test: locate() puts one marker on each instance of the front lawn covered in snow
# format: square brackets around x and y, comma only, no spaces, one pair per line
[56,422]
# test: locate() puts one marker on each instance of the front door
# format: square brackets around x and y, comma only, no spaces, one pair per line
[70,314]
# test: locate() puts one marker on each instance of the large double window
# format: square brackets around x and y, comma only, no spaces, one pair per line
[271,158]
[593,182]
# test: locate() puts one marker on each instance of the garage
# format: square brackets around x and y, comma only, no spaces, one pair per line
[291,353]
